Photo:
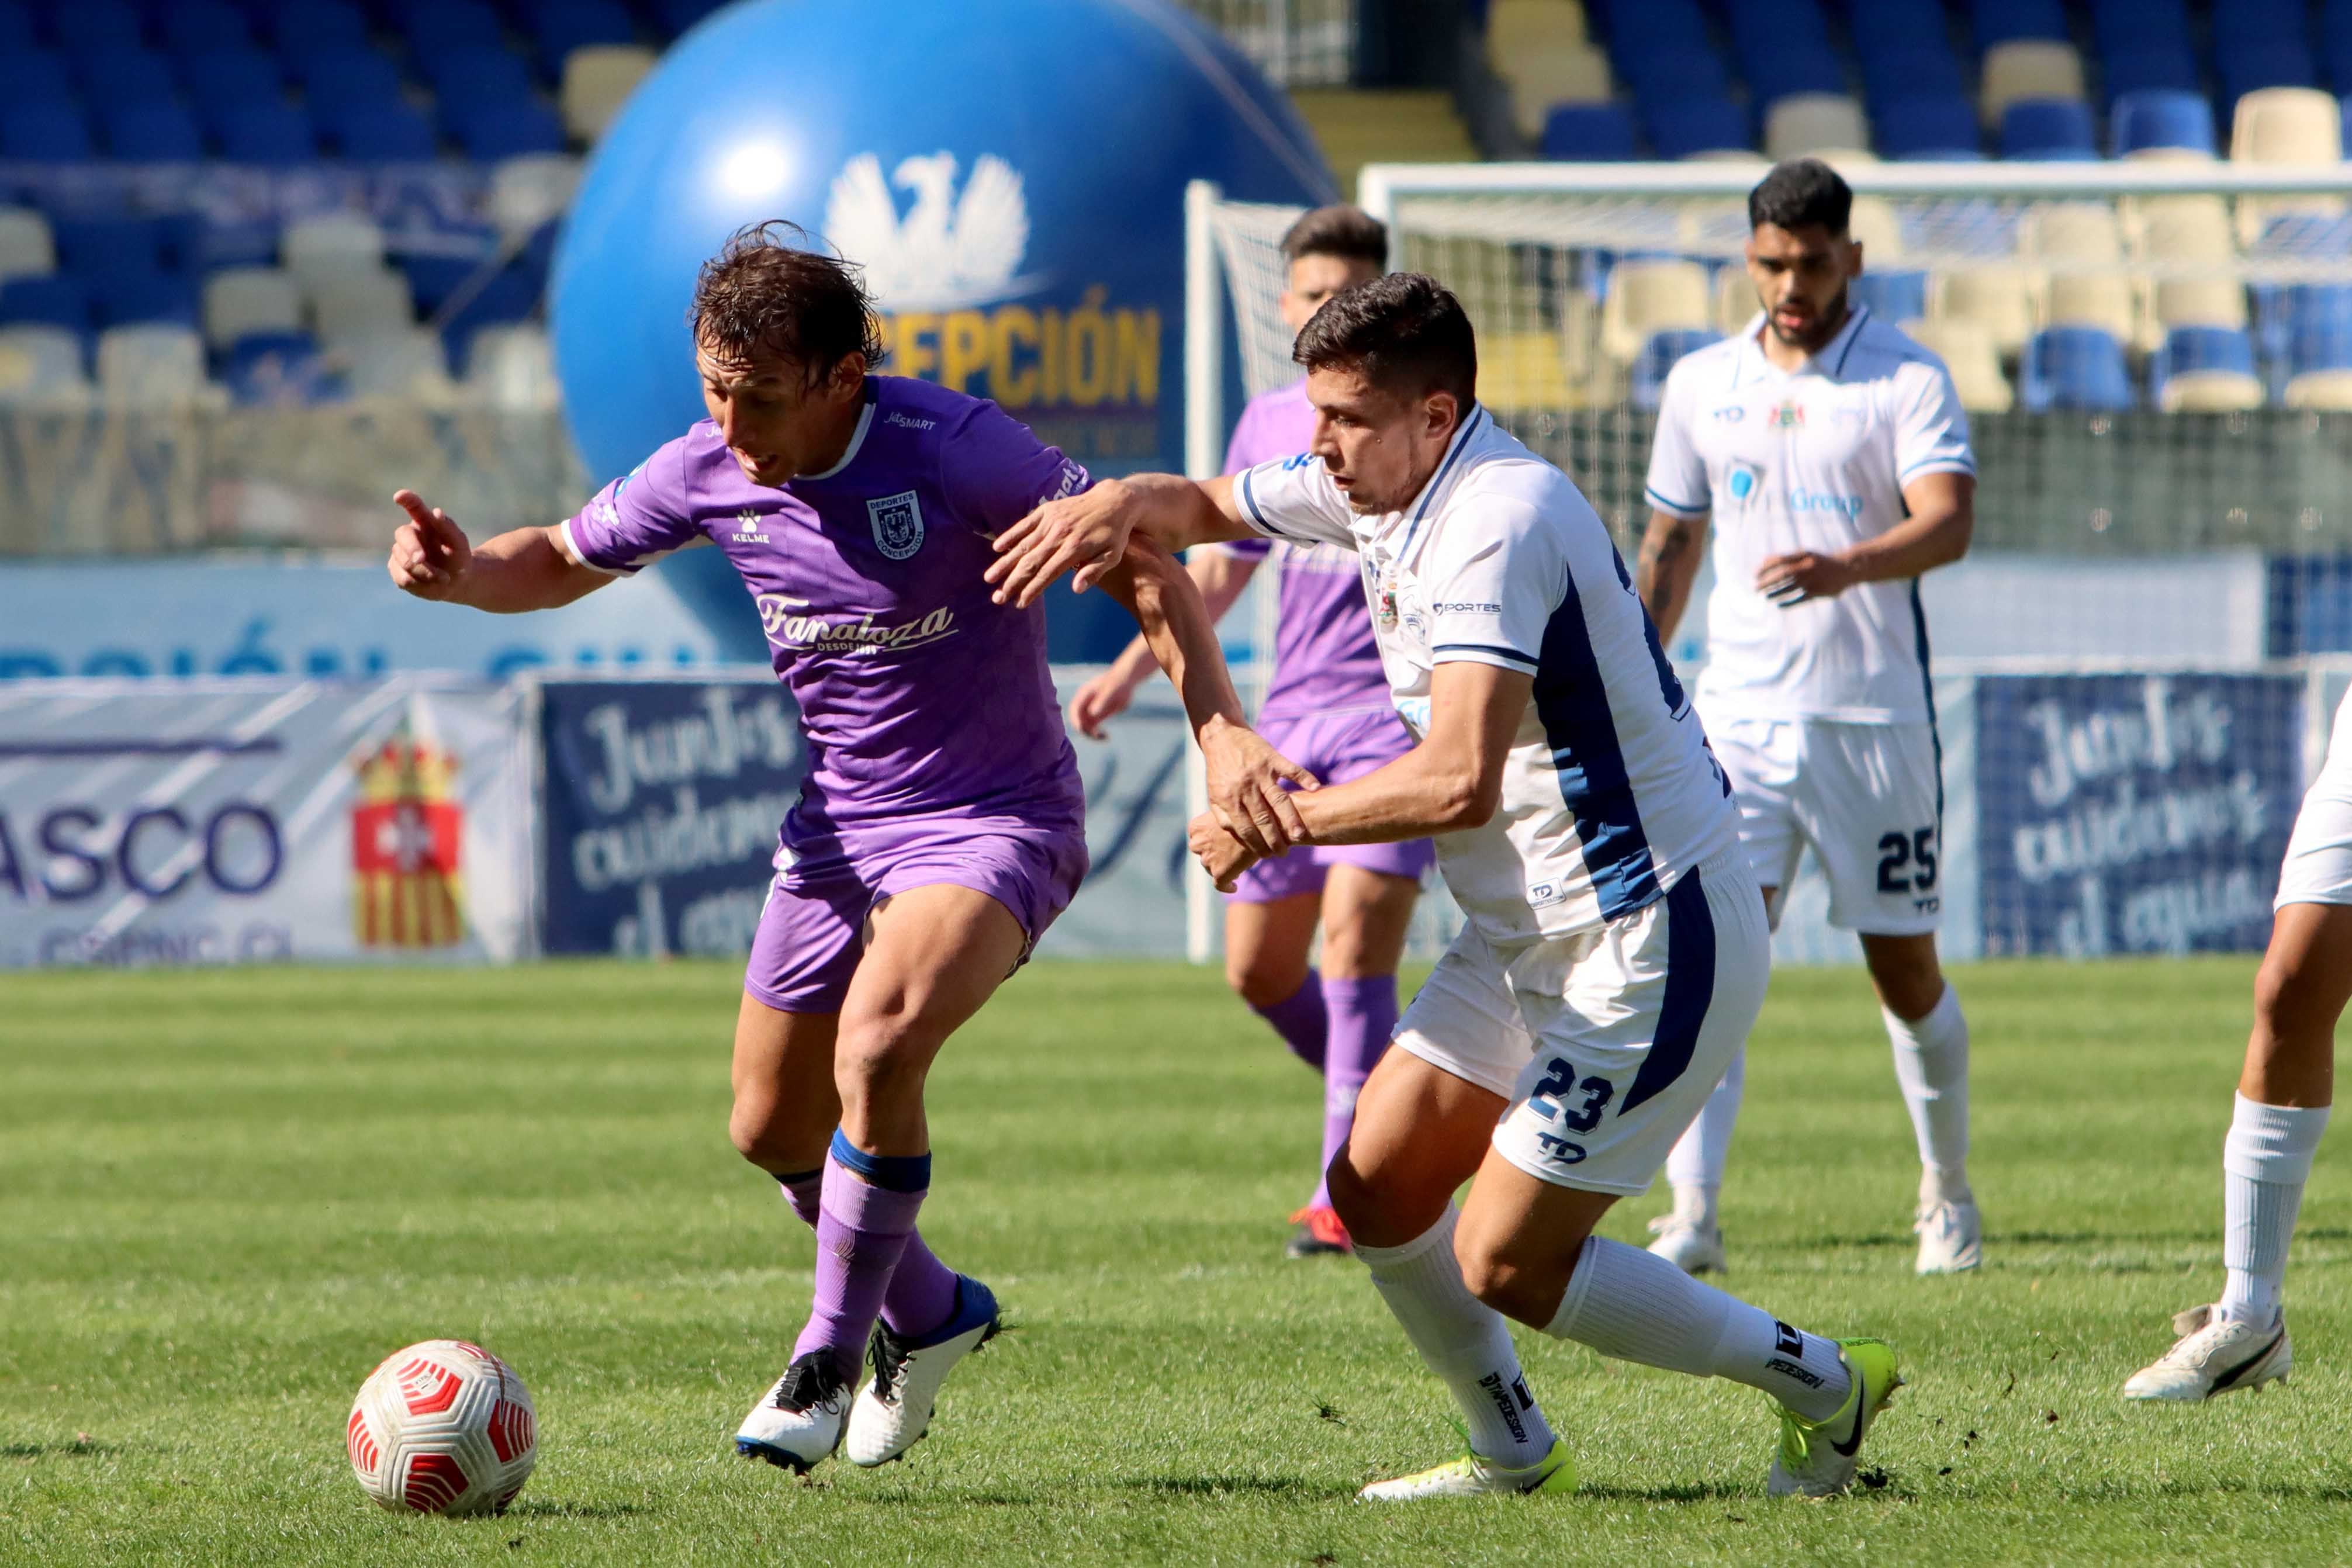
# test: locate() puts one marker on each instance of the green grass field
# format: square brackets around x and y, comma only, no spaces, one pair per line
[224,1197]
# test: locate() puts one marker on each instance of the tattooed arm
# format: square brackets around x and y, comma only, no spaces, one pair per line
[1671,549]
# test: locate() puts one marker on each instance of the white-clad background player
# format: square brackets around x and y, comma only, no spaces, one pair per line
[1614,952]
[1831,455]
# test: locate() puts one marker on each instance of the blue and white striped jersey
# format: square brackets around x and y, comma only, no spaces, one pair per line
[1611,792]
[1814,459]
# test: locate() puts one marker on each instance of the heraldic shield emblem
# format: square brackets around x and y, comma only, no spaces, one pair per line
[898,525]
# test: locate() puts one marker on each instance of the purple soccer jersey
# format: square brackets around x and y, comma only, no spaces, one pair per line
[919,697]
[1325,657]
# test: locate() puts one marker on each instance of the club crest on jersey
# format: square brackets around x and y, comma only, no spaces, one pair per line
[1789,415]
[1384,611]
[898,525]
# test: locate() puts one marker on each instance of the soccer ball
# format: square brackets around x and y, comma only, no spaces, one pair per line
[443,1427]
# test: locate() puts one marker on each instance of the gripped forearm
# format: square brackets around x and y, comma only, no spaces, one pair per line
[1178,631]
[523,570]
[1221,576]
[1175,513]
[1410,798]
[1668,566]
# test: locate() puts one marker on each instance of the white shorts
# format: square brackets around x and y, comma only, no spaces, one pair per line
[2318,868]
[1868,798]
[1607,1043]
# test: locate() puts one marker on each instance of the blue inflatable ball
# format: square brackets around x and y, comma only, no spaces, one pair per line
[1011,176]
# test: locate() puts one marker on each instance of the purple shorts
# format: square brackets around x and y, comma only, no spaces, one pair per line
[812,928]
[1335,747]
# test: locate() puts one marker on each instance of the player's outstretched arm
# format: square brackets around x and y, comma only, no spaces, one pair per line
[1086,534]
[1245,774]
[1219,575]
[1672,549]
[526,568]
[1452,780]
[1942,509]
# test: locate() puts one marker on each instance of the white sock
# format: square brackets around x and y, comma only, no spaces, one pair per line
[1465,1342]
[2266,1160]
[1695,1168]
[1931,1063]
[1626,1303]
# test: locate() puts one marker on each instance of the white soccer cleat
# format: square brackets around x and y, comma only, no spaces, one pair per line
[1951,1239]
[799,1421]
[2214,1355]
[1820,1459]
[1692,1248]
[1473,1476]
[893,1409]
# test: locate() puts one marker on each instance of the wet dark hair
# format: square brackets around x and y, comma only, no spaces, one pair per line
[1802,192]
[1405,332]
[772,290]
[1346,232]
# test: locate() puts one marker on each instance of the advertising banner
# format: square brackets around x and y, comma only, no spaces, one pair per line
[660,804]
[2134,813]
[236,821]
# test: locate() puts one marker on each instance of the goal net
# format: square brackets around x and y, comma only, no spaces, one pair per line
[2137,663]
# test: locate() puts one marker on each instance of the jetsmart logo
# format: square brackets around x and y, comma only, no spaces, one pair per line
[788,627]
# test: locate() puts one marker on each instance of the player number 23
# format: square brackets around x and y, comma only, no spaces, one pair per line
[1558,1079]
[1914,853]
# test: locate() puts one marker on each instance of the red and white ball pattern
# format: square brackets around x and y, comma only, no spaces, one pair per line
[443,1427]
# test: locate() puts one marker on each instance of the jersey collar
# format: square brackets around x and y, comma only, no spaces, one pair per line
[1829,360]
[1447,468]
[856,436]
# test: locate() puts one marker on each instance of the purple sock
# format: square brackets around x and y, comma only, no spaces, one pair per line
[1299,1020]
[922,1290]
[862,1232]
[1363,1015]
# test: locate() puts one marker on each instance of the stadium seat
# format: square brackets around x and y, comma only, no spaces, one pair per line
[476,73]
[84,25]
[92,245]
[1693,71]
[311,23]
[528,194]
[2120,26]
[599,79]
[2101,300]
[241,300]
[46,130]
[2203,368]
[349,306]
[152,367]
[27,75]
[2328,391]
[1523,373]
[2000,299]
[2082,234]
[1899,294]
[1511,25]
[116,76]
[1735,301]
[580,24]
[337,76]
[331,244]
[15,27]
[2164,67]
[391,133]
[127,298]
[1968,352]
[1657,357]
[2262,21]
[2161,120]
[51,299]
[513,367]
[1881,25]
[1874,221]
[489,132]
[676,16]
[2288,125]
[1539,81]
[267,133]
[1924,128]
[1811,122]
[2027,67]
[161,132]
[406,364]
[219,78]
[1998,22]
[28,249]
[1588,133]
[280,369]
[2049,130]
[1767,24]
[41,365]
[1644,27]
[191,26]
[1786,73]
[1683,127]
[2250,67]
[435,25]
[1646,297]
[1920,68]
[2074,368]
[2170,230]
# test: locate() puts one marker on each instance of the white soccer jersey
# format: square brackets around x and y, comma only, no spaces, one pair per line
[1814,459]
[1610,793]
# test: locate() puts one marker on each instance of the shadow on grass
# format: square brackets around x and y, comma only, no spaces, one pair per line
[575,1511]
[1215,1486]
[80,1449]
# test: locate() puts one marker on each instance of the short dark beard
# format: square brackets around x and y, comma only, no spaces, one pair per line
[1830,328]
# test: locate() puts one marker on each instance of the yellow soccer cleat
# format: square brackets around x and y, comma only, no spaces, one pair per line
[1474,1476]
[1818,1458]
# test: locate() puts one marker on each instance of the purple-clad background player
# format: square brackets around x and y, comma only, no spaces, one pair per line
[1328,708]
[940,828]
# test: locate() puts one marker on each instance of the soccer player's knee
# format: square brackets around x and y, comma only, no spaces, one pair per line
[2279,987]
[753,1127]
[1513,1285]
[876,1057]
[1261,982]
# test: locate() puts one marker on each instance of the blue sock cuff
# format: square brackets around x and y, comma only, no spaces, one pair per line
[798,1177]
[892,1173]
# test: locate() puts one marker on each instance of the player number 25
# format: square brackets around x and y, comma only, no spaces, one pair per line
[1558,1079]
[1898,851]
